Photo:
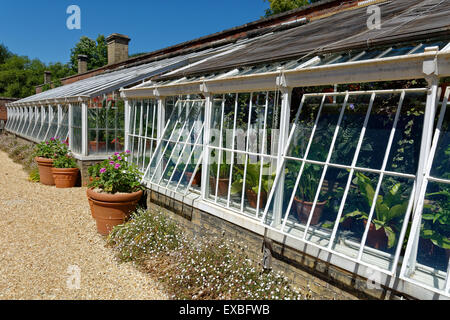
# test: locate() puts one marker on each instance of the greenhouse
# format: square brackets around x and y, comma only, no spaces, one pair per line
[90,113]
[313,137]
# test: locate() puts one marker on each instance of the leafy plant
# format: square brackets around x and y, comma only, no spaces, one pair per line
[117,175]
[307,186]
[65,162]
[436,222]
[251,179]
[34,175]
[51,149]
[388,210]
[94,170]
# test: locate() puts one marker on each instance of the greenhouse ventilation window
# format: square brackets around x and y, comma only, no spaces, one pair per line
[176,160]
[428,252]
[344,151]
[143,132]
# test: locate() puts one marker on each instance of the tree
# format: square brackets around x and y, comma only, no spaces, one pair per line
[279,6]
[96,51]
[4,53]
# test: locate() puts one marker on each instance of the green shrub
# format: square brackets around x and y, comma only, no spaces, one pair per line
[65,162]
[51,149]
[34,175]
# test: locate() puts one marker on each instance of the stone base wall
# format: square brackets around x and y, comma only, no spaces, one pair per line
[318,278]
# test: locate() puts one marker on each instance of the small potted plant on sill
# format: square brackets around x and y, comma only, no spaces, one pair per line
[389,211]
[224,179]
[65,172]
[196,182]
[45,153]
[252,184]
[115,193]
[306,192]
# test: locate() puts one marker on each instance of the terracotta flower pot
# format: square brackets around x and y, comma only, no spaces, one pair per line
[110,210]
[45,170]
[197,178]
[223,186]
[65,177]
[252,198]
[376,239]
[93,145]
[303,209]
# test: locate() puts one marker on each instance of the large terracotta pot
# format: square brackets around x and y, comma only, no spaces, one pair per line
[376,239]
[223,186]
[65,177]
[303,209]
[252,198]
[110,210]
[196,182]
[45,170]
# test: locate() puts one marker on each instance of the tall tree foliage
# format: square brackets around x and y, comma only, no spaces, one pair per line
[96,51]
[19,75]
[279,6]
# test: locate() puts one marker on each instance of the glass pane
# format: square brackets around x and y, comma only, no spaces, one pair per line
[404,155]
[305,124]
[350,129]
[383,237]
[441,163]
[378,130]
[355,213]
[433,247]
[326,126]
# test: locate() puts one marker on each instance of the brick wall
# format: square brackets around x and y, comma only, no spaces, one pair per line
[3,111]
[318,278]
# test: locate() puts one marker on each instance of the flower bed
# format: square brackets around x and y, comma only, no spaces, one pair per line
[195,268]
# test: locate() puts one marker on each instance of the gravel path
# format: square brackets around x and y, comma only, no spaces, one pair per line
[43,232]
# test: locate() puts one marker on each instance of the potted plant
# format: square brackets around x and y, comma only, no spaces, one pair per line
[252,184]
[196,182]
[115,193]
[99,146]
[307,188]
[306,192]
[65,171]
[389,210]
[45,153]
[224,179]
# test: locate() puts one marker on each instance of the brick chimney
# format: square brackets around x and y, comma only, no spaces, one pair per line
[47,77]
[117,48]
[82,63]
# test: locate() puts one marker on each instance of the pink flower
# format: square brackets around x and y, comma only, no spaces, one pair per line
[112,163]
[128,151]
[117,166]
[119,158]
[102,170]
[116,154]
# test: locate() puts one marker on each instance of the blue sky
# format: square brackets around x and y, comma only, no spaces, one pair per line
[38,28]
